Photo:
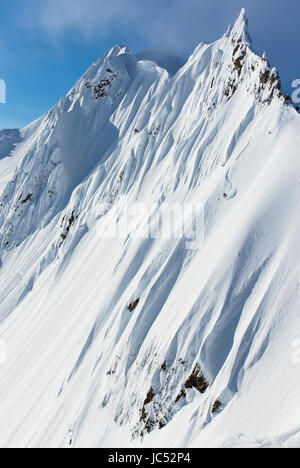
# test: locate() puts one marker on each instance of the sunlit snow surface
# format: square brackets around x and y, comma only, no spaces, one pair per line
[80,365]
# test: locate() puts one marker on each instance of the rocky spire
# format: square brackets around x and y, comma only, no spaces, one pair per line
[240,28]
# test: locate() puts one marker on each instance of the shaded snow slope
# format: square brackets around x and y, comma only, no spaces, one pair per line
[116,342]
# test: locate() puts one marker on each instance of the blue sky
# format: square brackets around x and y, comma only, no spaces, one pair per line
[46,45]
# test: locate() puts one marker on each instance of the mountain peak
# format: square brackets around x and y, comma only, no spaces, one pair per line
[117,50]
[240,28]
[243,14]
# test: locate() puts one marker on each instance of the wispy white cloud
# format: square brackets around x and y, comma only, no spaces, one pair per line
[176,24]
[168,23]
[89,17]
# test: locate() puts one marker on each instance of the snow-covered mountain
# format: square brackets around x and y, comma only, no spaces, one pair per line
[140,340]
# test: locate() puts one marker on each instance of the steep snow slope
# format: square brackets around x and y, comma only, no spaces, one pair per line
[205,354]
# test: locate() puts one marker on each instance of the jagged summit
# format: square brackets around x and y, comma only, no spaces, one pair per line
[240,28]
[118,49]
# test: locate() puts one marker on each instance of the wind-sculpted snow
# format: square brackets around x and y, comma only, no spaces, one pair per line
[118,341]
